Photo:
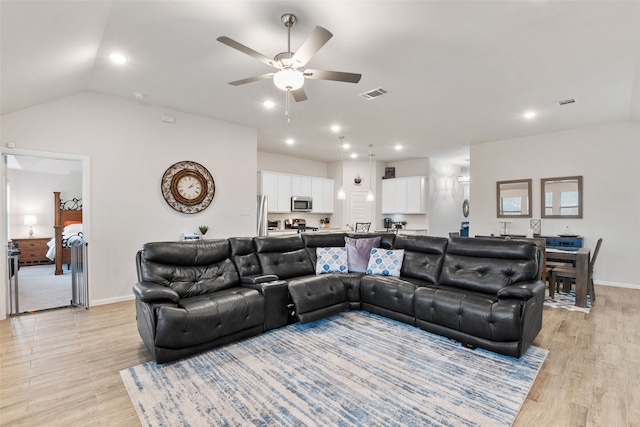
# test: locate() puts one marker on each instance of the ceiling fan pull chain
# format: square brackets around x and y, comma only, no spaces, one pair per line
[286,108]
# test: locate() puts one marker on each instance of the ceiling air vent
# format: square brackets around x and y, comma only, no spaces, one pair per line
[566,102]
[372,94]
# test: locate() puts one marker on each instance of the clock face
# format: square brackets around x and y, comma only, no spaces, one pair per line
[188,187]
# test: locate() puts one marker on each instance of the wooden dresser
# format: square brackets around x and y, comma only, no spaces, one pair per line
[33,251]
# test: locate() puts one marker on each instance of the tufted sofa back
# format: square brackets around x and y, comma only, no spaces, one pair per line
[485,265]
[423,256]
[284,256]
[189,268]
[244,256]
[321,240]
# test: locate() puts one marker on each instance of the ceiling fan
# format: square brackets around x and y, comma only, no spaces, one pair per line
[290,72]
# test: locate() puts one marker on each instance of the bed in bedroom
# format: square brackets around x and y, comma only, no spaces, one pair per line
[67,228]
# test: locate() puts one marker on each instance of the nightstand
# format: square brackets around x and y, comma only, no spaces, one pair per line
[33,251]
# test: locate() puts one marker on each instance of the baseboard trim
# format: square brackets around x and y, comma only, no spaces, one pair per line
[618,285]
[112,300]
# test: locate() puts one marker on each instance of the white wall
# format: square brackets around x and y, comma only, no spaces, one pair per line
[32,194]
[447,195]
[608,157]
[292,165]
[130,149]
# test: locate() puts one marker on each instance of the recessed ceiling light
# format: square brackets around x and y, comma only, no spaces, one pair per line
[346,146]
[269,104]
[529,115]
[118,58]
[290,141]
[398,147]
[354,155]
[139,95]
[335,128]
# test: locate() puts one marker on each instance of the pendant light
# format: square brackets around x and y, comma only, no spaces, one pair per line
[370,197]
[341,194]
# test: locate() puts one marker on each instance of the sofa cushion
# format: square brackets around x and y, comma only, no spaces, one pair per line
[386,262]
[390,293]
[358,252]
[423,256]
[484,265]
[189,268]
[286,264]
[331,260]
[204,318]
[480,315]
[316,297]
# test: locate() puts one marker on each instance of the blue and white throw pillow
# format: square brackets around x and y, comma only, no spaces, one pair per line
[385,262]
[331,260]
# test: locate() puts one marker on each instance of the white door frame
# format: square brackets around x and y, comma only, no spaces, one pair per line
[4,233]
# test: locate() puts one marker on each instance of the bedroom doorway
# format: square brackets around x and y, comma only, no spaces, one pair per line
[29,220]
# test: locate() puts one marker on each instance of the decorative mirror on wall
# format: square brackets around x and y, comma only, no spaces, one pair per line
[561,197]
[514,198]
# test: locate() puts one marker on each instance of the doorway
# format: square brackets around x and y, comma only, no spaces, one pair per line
[360,210]
[30,179]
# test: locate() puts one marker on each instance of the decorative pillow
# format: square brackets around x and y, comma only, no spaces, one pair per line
[385,262]
[331,260]
[358,251]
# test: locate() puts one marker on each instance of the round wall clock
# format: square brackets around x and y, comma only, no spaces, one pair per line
[465,208]
[188,187]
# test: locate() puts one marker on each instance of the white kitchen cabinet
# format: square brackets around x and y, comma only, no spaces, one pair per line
[284,193]
[404,195]
[301,186]
[416,195]
[322,194]
[277,188]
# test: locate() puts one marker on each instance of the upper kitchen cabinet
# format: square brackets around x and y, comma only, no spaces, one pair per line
[277,188]
[404,195]
[280,187]
[301,186]
[322,194]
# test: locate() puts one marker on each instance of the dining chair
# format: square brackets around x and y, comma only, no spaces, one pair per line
[568,272]
[362,227]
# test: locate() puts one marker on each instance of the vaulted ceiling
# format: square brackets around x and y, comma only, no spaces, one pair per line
[457,72]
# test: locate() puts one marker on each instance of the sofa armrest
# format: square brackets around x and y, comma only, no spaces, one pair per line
[522,290]
[256,279]
[148,292]
[276,299]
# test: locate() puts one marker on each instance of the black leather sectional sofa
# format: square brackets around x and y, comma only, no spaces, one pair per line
[193,296]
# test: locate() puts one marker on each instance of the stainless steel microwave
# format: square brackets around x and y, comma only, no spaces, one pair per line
[301,204]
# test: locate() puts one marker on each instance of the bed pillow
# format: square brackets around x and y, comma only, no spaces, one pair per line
[72,229]
[358,251]
[386,262]
[66,223]
[331,260]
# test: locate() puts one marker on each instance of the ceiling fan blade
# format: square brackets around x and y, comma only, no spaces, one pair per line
[251,79]
[338,76]
[299,95]
[318,37]
[247,50]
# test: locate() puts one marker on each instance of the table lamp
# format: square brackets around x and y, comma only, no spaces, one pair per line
[30,220]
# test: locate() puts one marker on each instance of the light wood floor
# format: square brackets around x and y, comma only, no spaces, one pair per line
[61,367]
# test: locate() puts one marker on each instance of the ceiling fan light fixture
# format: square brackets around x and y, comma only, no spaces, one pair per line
[288,79]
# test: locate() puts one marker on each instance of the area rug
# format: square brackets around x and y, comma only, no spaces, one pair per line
[566,301]
[354,369]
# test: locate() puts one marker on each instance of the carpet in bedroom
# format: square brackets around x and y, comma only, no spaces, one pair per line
[350,370]
[40,289]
